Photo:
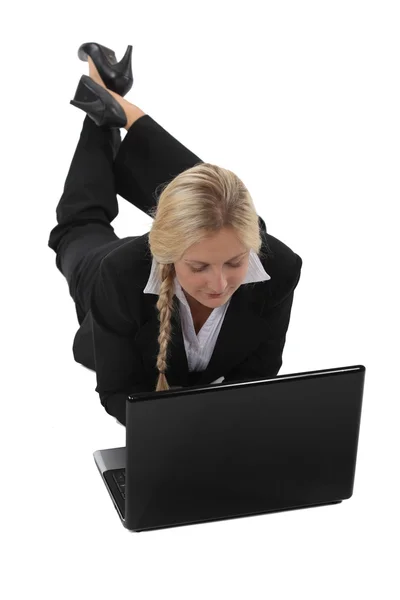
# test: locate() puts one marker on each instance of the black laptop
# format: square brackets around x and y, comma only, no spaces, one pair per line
[216,452]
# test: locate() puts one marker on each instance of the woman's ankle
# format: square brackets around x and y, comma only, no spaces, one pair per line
[132,112]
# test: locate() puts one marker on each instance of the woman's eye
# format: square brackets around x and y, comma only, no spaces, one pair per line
[202,268]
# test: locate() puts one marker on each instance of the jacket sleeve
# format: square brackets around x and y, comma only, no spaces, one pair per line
[118,363]
[267,359]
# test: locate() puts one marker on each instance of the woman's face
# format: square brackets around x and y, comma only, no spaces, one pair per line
[216,265]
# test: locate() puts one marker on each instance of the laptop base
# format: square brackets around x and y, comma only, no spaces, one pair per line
[111,460]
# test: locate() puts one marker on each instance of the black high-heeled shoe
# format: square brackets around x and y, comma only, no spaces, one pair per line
[98,103]
[117,76]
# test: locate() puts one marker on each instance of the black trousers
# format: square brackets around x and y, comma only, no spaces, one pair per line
[101,168]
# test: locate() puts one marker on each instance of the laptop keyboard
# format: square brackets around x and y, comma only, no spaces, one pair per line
[119,478]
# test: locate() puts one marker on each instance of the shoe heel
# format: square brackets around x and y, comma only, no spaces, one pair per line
[94,110]
[86,106]
[98,103]
[86,93]
[125,65]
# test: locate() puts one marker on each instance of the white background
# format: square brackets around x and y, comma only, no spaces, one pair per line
[301,100]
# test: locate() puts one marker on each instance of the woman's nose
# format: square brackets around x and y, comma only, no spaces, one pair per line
[218,284]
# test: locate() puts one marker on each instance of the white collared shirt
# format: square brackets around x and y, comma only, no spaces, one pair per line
[199,347]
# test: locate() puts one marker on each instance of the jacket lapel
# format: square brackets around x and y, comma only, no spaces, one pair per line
[242,331]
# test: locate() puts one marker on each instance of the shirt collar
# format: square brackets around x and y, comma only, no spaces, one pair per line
[255,273]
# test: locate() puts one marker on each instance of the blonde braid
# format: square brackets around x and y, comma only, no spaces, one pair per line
[165,306]
[193,206]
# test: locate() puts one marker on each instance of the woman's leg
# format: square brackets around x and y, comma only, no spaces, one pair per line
[89,189]
[85,211]
[147,158]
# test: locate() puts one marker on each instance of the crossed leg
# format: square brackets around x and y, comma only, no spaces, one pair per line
[101,168]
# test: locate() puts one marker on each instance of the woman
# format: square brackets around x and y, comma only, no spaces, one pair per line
[147,319]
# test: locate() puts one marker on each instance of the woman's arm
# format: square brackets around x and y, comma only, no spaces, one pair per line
[119,366]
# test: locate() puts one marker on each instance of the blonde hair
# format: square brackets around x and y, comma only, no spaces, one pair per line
[197,203]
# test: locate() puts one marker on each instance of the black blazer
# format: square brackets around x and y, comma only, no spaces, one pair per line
[118,337]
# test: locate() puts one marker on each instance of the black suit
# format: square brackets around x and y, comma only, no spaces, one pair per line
[119,324]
